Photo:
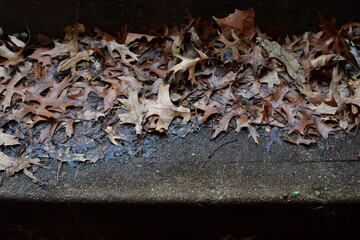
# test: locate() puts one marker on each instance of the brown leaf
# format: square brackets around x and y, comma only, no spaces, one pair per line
[209,109]
[71,62]
[323,108]
[275,50]
[234,46]
[165,109]
[38,55]
[5,161]
[71,47]
[242,23]
[112,135]
[137,111]
[119,50]
[241,119]
[130,37]
[255,58]
[188,64]
[13,58]
[54,104]
[325,59]
[7,139]
[12,86]
[271,78]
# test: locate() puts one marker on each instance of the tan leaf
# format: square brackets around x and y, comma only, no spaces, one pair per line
[5,161]
[13,86]
[13,58]
[137,111]
[38,55]
[7,139]
[241,22]
[112,135]
[228,45]
[165,109]
[325,59]
[72,47]
[21,164]
[275,50]
[12,165]
[130,37]
[255,58]
[119,50]
[323,108]
[271,78]
[71,62]
[188,64]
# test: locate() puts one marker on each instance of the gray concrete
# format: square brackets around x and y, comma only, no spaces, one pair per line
[48,17]
[182,172]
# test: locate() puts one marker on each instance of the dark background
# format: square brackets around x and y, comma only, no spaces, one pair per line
[185,222]
[49,17]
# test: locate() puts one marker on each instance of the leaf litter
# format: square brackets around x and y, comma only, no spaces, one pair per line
[95,96]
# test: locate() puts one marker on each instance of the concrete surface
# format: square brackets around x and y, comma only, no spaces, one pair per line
[49,17]
[239,171]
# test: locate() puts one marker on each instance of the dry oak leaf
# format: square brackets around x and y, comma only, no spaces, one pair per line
[119,50]
[241,119]
[71,62]
[13,58]
[275,50]
[112,135]
[137,111]
[72,47]
[209,108]
[241,22]
[5,161]
[165,109]
[130,37]
[12,165]
[323,108]
[188,64]
[54,104]
[325,59]
[38,55]
[13,87]
[271,78]
[7,139]
[255,58]
[228,45]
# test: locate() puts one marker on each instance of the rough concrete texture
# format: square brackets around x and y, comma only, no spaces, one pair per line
[182,172]
[48,17]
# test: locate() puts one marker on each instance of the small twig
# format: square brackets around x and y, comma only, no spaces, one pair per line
[216,149]
[224,135]
[295,150]
[2,178]
[77,11]
[58,172]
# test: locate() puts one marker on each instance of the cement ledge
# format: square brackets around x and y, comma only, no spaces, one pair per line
[239,172]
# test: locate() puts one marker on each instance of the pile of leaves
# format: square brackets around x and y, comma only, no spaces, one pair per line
[96,96]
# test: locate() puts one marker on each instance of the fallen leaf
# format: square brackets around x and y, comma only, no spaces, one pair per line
[242,23]
[137,111]
[131,37]
[13,58]
[275,50]
[165,109]
[188,64]
[7,139]
[71,62]
[119,50]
